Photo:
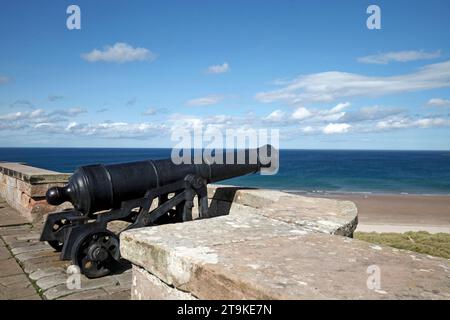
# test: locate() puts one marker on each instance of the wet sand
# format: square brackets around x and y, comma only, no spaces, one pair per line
[399,213]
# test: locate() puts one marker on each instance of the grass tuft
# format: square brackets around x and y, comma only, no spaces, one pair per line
[423,242]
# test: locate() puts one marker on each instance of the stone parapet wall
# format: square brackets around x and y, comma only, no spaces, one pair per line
[24,187]
[315,214]
[263,244]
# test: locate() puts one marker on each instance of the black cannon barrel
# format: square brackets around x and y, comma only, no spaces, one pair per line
[99,187]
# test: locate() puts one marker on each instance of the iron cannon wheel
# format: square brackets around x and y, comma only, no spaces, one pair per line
[55,244]
[96,253]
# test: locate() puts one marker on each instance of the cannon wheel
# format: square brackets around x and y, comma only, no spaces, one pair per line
[55,244]
[96,253]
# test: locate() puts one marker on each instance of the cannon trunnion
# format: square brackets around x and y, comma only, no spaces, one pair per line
[104,193]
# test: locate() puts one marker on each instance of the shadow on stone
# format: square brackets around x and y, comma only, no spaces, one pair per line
[222,200]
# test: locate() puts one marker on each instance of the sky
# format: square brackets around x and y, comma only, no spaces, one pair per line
[137,71]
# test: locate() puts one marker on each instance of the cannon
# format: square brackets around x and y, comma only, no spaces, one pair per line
[104,193]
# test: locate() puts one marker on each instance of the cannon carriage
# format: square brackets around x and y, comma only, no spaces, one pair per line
[104,193]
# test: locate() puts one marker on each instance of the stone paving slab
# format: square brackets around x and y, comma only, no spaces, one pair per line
[13,282]
[39,263]
[10,267]
[10,217]
[14,230]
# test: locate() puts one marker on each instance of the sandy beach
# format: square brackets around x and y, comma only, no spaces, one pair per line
[398,212]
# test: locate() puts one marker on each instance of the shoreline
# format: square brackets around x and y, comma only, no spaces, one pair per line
[362,193]
[396,212]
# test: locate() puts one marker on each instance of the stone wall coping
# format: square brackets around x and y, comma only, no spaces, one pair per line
[32,175]
[250,256]
[317,214]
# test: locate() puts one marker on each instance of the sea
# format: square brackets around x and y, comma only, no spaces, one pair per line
[309,171]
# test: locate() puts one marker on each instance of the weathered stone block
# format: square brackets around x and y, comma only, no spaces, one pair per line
[24,187]
[305,265]
[148,287]
[36,190]
[318,214]
[11,182]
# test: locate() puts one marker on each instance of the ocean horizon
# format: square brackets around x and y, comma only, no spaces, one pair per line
[301,170]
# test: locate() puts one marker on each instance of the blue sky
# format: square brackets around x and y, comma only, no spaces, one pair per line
[137,70]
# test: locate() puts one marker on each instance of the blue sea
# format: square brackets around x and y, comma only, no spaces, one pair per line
[412,172]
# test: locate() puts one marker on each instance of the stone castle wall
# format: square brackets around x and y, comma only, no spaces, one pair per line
[24,187]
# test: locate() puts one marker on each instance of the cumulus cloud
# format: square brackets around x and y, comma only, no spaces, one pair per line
[332,85]
[308,129]
[22,115]
[399,56]
[324,115]
[371,113]
[406,122]
[301,113]
[204,101]
[117,130]
[275,116]
[120,52]
[219,68]
[38,118]
[333,128]
[438,102]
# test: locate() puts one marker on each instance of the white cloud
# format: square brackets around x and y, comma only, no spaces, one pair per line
[308,129]
[219,68]
[437,102]
[332,85]
[339,107]
[117,130]
[334,114]
[404,122]
[371,113]
[40,116]
[44,125]
[204,101]
[333,128]
[301,113]
[119,53]
[399,56]
[71,125]
[276,116]
[22,115]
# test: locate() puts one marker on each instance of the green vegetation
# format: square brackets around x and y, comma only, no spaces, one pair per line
[423,242]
